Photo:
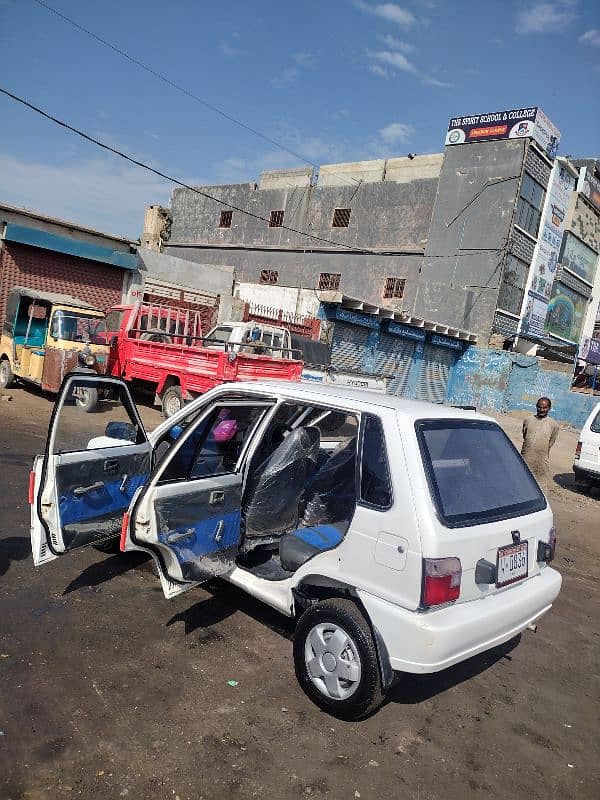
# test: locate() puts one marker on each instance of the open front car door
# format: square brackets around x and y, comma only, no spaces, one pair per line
[93,465]
[188,517]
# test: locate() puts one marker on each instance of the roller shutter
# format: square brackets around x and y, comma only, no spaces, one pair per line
[435,370]
[393,359]
[349,347]
[48,271]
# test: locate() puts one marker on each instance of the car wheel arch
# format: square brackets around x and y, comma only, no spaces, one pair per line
[311,589]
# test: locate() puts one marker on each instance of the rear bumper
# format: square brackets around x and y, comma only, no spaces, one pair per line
[585,470]
[431,641]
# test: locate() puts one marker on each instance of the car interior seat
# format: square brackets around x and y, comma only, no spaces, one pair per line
[275,487]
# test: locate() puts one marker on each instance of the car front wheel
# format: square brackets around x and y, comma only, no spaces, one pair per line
[336,659]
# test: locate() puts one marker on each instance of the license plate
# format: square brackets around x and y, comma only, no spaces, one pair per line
[511,564]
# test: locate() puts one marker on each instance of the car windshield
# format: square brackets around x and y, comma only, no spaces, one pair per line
[474,472]
[75,326]
[219,335]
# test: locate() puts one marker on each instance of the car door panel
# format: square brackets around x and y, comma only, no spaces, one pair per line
[200,524]
[94,490]
[90,470]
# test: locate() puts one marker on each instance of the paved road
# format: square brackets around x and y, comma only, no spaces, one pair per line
[110,691]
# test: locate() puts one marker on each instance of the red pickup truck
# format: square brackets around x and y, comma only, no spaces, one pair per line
[160,349]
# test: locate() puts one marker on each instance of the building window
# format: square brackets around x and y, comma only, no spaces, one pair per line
[341,218]
[510,296]
[225,220]
[329,281]
[276,219]
[529,205]
[394,287]
[269,276]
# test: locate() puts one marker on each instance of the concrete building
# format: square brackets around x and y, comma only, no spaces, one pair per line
[469,237]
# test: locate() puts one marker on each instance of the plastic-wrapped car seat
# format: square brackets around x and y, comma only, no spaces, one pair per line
[275,487]
[331,492]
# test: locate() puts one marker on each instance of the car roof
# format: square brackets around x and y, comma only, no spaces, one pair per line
[355,399]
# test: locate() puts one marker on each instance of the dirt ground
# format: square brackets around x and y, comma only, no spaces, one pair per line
[111,691]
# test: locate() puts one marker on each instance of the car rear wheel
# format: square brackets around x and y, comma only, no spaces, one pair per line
[336,659]
[6,374]
[172,401]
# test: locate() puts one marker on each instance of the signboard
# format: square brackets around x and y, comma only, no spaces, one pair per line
[545,255]
[590,351]
[397,329]
[518,123]
[590,187]
[579,258]
[354,317]
[566,312]
[444,341]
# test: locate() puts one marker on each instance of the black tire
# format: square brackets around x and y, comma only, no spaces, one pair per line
[6,374]
[172,401]
[360,655]
[87,399]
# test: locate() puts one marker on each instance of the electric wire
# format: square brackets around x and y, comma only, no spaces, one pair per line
[182,89]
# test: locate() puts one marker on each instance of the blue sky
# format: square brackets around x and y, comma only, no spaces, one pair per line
[333,80]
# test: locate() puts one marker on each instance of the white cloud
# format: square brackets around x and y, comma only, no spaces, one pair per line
[591,37]
[546,17]
[228,50]
[393,59]
[396,132]
[388,11]
[101,193]
[439,84]
[393,43]
[378,70]
[301,62]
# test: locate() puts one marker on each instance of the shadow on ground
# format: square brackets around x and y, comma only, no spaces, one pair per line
[106,570]
[566,480]
[13,548]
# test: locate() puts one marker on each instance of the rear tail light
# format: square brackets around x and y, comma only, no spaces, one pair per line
[547,550]
[124,527]
[577,451]
[31,487]
[441,581]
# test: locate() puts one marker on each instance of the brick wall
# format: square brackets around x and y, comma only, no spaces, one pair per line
[44,270]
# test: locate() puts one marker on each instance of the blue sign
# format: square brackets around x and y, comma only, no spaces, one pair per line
[444,341]
[366,320]
[397,329]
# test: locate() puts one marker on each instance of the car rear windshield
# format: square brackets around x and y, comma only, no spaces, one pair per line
[595,426]
[475,474]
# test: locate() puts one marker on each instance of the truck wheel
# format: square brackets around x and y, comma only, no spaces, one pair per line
[172,401]
[6,374]
[336,659]
[87,399]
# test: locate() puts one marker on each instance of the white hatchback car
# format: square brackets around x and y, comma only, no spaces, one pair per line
[403,536]
[586,464]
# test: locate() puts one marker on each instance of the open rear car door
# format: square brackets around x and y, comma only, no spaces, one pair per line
[188,516]
[93,464]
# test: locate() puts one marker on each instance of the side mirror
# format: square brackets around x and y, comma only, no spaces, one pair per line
[121,430]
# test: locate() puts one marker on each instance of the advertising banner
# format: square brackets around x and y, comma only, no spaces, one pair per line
[579,258]
[518,123]
[566,312]
[590,187]
[590,351]
[545,256]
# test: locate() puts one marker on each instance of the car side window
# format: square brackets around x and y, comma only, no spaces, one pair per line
[595,426]
[215,444]
[375,484]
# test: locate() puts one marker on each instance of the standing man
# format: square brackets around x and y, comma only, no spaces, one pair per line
[539,434]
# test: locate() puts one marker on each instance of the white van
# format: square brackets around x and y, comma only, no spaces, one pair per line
[402,536]
[586,464]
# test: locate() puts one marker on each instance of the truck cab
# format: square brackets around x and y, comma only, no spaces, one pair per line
[251,337]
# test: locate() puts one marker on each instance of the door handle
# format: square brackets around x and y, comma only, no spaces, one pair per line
[85,489]
[219,530]
[111,466]
[216,498]
[178,537]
